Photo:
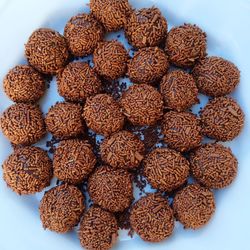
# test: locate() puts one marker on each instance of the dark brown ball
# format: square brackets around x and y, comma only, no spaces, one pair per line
[46,50]
[194,206]
[111,189]
[64,120]
[179,90]
[61,208]
[78,81]
[146,28]
[185,45]
[110,59]
[27,170]
[122,150]
[73,161]
[216,76]
[98,229]
[23,124]
[152,218]
[103,114]
[148,66]
[222,119]
[142,105]
[181,131]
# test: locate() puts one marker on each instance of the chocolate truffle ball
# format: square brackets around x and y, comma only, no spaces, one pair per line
[214,165]
[222,119]
[194,206]
[24,84]
[185,45]
[73,161]
[152,218]
[216,76]
[148,65]
[122,150]
[111,189]
[23,124]
[61,208]
[27,170]
[166,169]
[64,120]
[46,51]
[110,59]
[146,28]
[82,33]
[98,229]
[181,130]
[77,82]
[142,105]
[112,14]
[103,114]
[179,90]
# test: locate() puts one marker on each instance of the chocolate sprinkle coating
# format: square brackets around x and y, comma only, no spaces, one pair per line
[222,119]
[166,169]
[152,218]
[214,165]
[181,130]
[194,206]
[61,208]
[122,150]
[216,76]
[146,28]
[98,229]
[111,189]
[23,124]
[179,90]
[73,161]
[185,45]
[27,170]
[148,65]
[142,105]
[46,51]
[24,84]
[78,81]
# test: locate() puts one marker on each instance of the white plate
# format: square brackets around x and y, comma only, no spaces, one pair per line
[227,25]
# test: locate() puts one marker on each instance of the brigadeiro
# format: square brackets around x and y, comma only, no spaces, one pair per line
[216,76]
[194,206]
[27,170]
[23,124]
[78,81]
[152,218]
[181,130]
[112,189]
[148,65]
[73,161]
[46,50]
[61,208]
[122,150]
[222,119]
[64,120]
[24,84]
[103,114]
[185,45]
[82,33]
[166,169]
[146,28]
[142,104]
[179,90]
[112,14]
[98,229]
[214,165]
[110,59]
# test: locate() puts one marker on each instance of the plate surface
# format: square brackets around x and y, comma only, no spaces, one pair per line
[227,26]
